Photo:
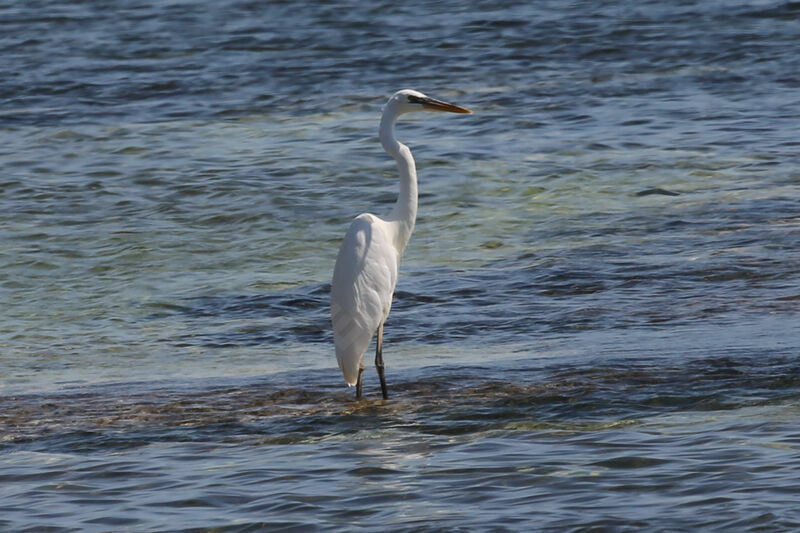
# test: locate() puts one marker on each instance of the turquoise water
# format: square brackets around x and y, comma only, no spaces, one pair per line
[596,320]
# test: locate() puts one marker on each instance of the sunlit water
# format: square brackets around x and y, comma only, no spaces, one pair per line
[596,325]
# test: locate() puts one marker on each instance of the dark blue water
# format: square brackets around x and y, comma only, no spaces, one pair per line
[596,323]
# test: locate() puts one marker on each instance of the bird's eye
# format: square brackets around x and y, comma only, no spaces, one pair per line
[414,99]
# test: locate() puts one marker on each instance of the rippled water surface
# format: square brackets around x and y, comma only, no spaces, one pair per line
[596,324]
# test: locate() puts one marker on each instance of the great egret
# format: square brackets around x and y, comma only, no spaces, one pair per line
[366,268]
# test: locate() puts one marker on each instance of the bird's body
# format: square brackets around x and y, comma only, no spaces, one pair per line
[361,293]
[365,274]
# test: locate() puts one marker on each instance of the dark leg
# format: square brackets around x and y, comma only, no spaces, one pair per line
[379,361]
[358,383]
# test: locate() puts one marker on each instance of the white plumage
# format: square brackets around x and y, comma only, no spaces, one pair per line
[361,295]
[366,268]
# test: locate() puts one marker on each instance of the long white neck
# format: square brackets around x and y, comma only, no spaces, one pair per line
[404,213]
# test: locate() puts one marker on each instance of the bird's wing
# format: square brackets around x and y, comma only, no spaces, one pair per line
[361,292]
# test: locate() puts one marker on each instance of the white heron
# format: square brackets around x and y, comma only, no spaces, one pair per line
[365,274]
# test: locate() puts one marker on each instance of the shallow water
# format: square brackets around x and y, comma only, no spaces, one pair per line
[596,322]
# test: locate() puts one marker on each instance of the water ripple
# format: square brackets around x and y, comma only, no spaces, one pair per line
[604,271]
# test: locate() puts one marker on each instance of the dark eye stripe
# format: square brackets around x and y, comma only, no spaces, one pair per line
[415,99]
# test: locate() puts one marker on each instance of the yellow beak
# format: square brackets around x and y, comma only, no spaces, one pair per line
[433,104]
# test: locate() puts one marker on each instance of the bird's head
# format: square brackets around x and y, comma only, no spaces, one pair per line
[409,101]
